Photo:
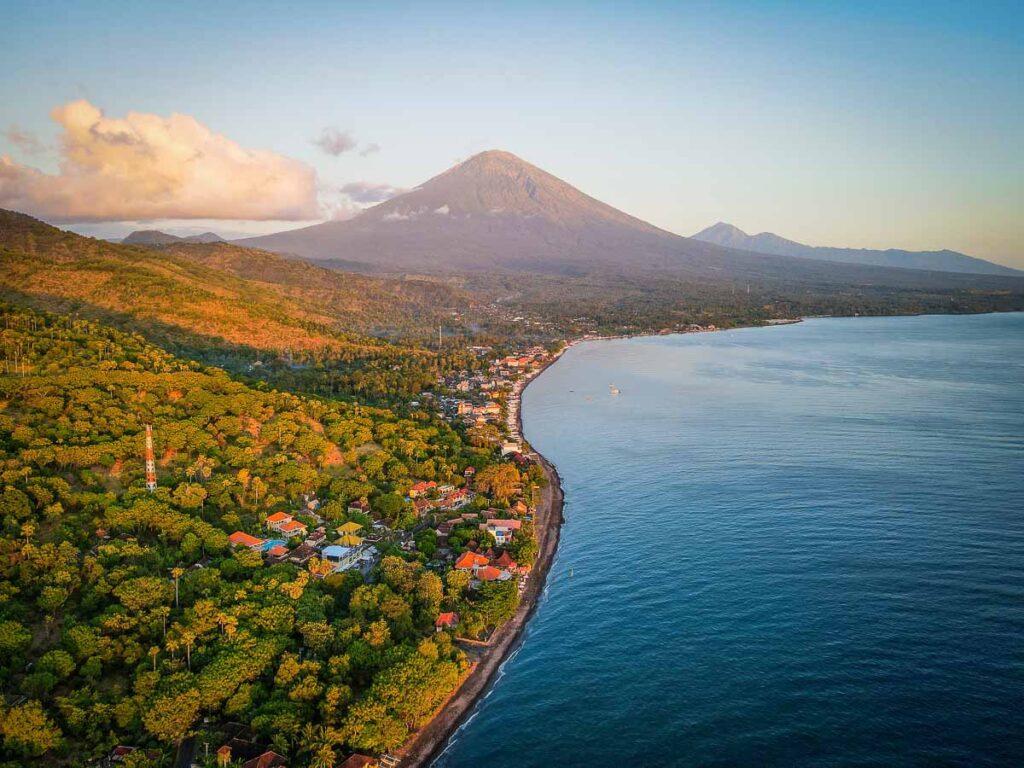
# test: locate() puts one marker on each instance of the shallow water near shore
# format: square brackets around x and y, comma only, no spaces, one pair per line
[800,545]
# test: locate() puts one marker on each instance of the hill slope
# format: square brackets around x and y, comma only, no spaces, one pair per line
[766,242]
[238,295]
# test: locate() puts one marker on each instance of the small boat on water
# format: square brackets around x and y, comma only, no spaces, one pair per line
[614,390]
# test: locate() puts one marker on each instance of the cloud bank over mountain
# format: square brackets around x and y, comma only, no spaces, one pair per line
[371,191]
[145,166]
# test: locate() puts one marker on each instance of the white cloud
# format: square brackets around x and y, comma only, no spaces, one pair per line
[370,191]
[145,166]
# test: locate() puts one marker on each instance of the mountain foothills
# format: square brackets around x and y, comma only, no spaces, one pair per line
[251,311]
[946,261]
[490,252]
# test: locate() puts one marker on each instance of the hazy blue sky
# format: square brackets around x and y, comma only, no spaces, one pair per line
[854,124]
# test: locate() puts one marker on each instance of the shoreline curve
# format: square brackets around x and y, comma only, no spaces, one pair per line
[431,740]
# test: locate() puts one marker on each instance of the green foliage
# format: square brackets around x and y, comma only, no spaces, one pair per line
[108,624]
[28,730]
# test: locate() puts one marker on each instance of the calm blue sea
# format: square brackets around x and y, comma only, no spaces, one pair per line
[790,546]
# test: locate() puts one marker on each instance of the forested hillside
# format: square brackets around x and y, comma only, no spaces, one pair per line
[291,323]
[126,617]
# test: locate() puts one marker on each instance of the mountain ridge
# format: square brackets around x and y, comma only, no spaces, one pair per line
[495,212]
[146,237]
[945,260]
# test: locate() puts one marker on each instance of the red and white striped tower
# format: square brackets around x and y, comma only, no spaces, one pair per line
[150,461]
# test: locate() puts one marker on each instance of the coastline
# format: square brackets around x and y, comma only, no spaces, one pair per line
[546,737]
[431,740]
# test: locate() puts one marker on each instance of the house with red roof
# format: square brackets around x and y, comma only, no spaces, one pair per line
[422,506]
[277,552]
[267,760]
[504,561]
[490,573]
[470,561]
[276,520]
[422,488]
[293,528]
[446,620]
[457,499]
[242,539]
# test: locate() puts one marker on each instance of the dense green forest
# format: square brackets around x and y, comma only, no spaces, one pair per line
[126,618]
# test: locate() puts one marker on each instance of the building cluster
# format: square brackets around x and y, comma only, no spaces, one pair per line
[428,497]
[493,563]
[478,397]
[339,549]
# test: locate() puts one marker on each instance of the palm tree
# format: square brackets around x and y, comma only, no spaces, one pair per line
[188,639]
[163,611]
[323,757]
[176,574]
[317,742]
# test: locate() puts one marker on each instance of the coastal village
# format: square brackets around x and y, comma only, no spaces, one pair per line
[479,534]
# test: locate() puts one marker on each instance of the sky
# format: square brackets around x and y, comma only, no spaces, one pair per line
[890,124]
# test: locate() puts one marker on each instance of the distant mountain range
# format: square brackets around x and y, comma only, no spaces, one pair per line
[497,213]
[945,261]
[156,237]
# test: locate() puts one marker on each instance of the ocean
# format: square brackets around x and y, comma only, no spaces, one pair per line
[791,546]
